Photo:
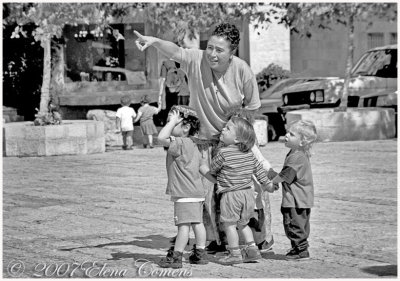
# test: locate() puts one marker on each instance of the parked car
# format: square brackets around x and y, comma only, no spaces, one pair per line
[271,100]
[374,77]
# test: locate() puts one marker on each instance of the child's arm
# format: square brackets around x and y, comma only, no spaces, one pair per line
[137,118]
[205,171]
[165,133]
[118,125]
[257,153]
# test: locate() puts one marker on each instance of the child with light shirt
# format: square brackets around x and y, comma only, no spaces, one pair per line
[184,184]
[234,165]
[297,187]
[124,122]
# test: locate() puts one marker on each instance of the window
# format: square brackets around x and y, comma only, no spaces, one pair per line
[111,54]
[375,40]
[393,38]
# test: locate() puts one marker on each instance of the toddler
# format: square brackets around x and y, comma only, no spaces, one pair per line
[234,165]
[145,115]
[184,184]
[297,187]
[124,122]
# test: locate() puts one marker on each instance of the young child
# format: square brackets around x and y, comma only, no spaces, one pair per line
[297,187]
[124,122]
[145,115]
[234,165]
[184,184]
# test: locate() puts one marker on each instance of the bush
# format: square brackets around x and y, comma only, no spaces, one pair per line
[270,75]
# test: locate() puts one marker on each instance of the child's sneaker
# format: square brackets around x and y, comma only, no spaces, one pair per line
[234,257]
[172,260]
[198,256]
[266,246]
[251,253]
[296,255]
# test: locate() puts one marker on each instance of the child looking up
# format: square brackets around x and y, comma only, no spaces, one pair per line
[297,187]
[124,122]
[234,165]
[184,184]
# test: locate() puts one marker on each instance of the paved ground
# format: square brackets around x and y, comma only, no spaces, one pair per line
[102,215]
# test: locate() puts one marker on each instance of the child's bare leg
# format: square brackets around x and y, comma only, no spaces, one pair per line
[232,234]
[248,237]
[150,137]
[200,234]
[182,237]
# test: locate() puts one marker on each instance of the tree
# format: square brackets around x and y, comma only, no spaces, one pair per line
[303,17]
[269,73]
[178,18]
[49,18]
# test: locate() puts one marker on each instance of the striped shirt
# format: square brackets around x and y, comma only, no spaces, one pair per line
[234,169]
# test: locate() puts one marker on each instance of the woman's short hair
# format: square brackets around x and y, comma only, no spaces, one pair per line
[245,134]
[229,32]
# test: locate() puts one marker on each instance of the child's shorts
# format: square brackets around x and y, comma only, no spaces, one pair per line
[237,206]
[188,212]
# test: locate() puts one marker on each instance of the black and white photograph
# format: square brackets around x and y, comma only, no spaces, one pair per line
[195,140]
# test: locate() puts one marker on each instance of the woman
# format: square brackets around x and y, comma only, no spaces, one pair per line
[219,83]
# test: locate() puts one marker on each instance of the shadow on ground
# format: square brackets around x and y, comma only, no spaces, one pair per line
[150,242]
[381,270]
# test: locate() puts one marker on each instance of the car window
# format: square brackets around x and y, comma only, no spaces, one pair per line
[381,63]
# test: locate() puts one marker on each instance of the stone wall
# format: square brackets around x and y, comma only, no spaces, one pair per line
[71,137]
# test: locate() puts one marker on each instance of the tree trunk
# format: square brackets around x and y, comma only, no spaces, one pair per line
[45,91]
[57,76]
[349,64]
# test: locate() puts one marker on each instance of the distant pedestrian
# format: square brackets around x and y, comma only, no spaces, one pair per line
[234,166]
[297,187]
[184,185]
[124,122]
[145,115]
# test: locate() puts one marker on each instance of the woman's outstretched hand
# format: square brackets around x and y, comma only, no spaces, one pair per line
[143,41]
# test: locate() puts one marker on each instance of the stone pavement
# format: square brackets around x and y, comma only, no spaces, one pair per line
[104,215]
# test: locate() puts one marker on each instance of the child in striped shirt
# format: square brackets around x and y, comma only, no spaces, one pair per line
[234,165]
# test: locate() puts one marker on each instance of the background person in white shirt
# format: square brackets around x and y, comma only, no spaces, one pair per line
[124,122]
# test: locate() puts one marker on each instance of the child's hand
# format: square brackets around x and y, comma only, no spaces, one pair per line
[270,187]
[174,116]
[117,131]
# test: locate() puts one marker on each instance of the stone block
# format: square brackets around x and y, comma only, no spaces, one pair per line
[34,132]
[56,132]
[10,147]
[354,124]
[24,139]
[77,130]
[59,147]
[261,129]
[97,145]
[32,147]
[16,130]
[91,131]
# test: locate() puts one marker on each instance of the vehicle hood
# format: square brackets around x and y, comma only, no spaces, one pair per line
[333,86]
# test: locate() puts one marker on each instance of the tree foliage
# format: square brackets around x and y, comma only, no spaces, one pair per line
[303,18]
[270,73]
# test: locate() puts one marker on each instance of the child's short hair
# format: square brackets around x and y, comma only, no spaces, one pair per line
[189,116]
[242,113]
[307,131]
[126,100]
[245,134]
[144,99]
